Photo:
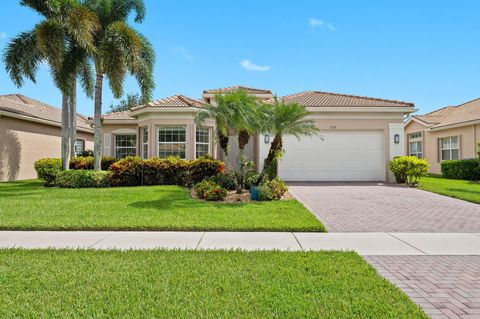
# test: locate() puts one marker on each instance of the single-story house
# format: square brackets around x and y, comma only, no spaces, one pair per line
[30,130]
[358,135]
[452,132]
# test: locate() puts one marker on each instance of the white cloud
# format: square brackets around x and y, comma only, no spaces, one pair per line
[182,52]
[316,23]
[250,66]
[3,35]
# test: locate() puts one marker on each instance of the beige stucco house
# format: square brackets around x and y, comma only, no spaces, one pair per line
[30,130]
[359,135]
[452,132]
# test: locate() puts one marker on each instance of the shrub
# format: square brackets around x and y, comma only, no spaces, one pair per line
[82,162]
[88,162]
[83,179]
[86,153]
[252,179]
[227,180]
[47,169]
[203,168]
[107,161]
[127,172]
[266,193]
[408,169]
[468,169]
[166,171]
[210,190]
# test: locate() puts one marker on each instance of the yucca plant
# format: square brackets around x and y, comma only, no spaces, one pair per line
[120,50]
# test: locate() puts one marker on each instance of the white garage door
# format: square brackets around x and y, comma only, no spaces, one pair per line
[334,156]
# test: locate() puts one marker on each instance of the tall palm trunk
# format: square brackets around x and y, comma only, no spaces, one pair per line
[73,118]
[243,138]
[65,149]
[98,122]
[270,167]
[223,141]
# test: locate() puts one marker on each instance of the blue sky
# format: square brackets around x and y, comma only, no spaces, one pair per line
[426,52]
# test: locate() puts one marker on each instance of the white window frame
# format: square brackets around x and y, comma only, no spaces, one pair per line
[174,142]
[449,148]
[115,147]
[144,144]
[415,138]
[83,146]
[202,143]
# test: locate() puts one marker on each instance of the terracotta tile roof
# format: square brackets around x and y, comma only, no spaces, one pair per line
[173,101]
[124,115]
[237,87]
[450,115]
[23,105]
[326,99]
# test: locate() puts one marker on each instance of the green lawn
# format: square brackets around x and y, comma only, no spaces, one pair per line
[26,205]
[195,284]
[466,190]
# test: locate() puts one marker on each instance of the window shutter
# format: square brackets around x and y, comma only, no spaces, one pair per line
[107,140]
[439,150]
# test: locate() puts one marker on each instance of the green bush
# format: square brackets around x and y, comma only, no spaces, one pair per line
[88,162]
[408,169]
[210,190]
[272,190]
[82,162]
[252,179]
[468,169]
[107,161]
[47,169]
[166,171]
[83,179]
[203,168]
[127,172]
[227,180]
[86,153]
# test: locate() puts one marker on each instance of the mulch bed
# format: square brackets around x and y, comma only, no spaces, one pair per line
[233,197]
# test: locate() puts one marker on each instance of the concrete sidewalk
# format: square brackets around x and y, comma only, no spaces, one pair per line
[362,243]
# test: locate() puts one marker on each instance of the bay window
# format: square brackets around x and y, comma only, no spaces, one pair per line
[202,142]
[172,141]
[125,145]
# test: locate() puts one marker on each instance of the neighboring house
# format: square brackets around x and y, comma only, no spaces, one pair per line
[30,130]
[452,132]
[358,135]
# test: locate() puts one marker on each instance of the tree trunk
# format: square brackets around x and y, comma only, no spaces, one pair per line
[271,162]
[223,141]
[65,147]
[243,138]
[97,150]
[73,119]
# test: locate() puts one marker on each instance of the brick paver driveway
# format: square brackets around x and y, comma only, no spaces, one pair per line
[373,207]
[444,286]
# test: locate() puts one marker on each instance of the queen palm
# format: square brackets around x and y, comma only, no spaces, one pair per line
[284,119]
[62,40]
[119,50]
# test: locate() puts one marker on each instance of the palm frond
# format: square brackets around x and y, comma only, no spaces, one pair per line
[50,38]
[47,8]
[22,57]
[82,24]
[122,8]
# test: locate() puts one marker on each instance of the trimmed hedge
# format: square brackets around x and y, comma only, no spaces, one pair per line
[133,171]
[468,169]
[88,162]
[83,179]
[48,169]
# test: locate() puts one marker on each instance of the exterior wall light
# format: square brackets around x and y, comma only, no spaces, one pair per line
[266,138]
[396,138]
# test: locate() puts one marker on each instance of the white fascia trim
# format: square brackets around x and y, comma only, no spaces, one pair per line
[446,127]
[315,109]
[180,109]
[380,116]
[107,121]
[41,121]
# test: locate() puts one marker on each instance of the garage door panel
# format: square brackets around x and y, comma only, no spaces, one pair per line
[335,156]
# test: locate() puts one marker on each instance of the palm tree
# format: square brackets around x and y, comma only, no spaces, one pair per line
[66,29]
[120,50]
[284,119]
